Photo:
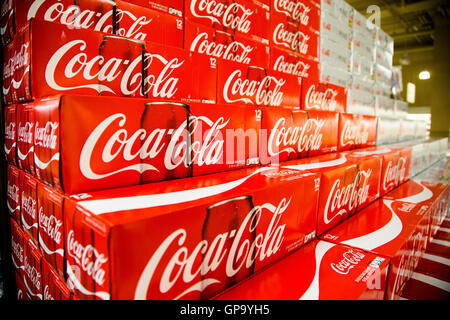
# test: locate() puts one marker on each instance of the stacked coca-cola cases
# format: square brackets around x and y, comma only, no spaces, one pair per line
[124,104]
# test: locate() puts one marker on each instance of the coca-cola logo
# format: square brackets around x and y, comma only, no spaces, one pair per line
[135,27]
[88,258]
[322,100]
[346,197]
[299,68]
[50,225]
[17,250]
[241,253]
[296,41]
[364,185]
[303,138]
[25,132]
[354,133]
[266,92]
[46,136]
[10,131]
[47,293]
[350,259]
[402,161]
[394,173]
[29,205]
[19,59]
[73,62]
[33,274]
[234,51]
[390,176]
[297,10]
[233,15]
[208,152]
[13,192]
[71,16]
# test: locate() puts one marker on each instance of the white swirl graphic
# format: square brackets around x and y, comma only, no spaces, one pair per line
[44,165]
[101,294]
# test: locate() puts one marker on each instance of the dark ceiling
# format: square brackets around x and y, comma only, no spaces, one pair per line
[409,22]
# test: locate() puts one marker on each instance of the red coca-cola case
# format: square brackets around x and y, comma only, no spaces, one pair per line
[345,185]
[32,269]
[323,96]
[28,207]
[248,18]
[175,7]
[318,271]
[396,165]
[13,192]
[17,248]
[53,286]
[240,84]
[217,44]
[22,292]
[356,131]
[305,13]
[293,63]
[51,230]
[394,229]
[290,36]
[212,232]
[432,194]
[25,135]
[112,17]
[292,134]
[8,73]
[111,65]
[149,141]
[10,134]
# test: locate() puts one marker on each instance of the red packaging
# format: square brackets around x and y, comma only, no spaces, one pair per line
[240,84]
[318,271]
[8,72]
[323,96]
[292,134]
[28,208]
[287,35]
[396,165]
[241,17]
[6,18]
[292,63]
[10,134]
[356,131]
[54,287]
[393,229]
[25,136]
[345,185]
[32,269]
[304,13]
[151,140]
[168,73]
[51,229]
[432,194]
[17,248]
[261,209]
[168,6]
[13,192]
[22,292]
[223,45]
[112,17]
[143,24]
